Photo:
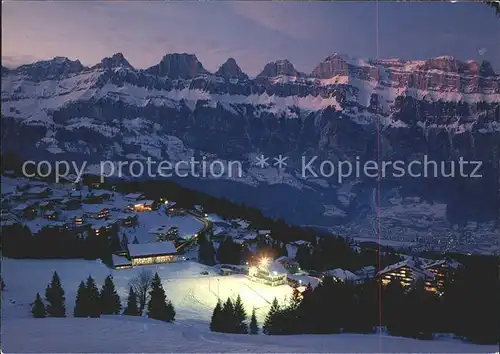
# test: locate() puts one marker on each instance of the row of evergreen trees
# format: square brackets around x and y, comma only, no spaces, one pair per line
[50,242]
[231,317]
[468,308]
[55,298]
[92,302]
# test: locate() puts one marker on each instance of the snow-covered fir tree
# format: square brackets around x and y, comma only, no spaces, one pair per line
[54,295]
[110,300]
[159,307]
[132,308]
[38,307]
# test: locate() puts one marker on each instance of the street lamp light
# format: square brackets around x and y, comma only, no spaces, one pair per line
[264,262]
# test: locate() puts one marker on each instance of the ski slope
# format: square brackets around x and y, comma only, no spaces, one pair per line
[123,334]
[193,295]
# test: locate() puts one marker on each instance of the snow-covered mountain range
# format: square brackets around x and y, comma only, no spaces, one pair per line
[441,107]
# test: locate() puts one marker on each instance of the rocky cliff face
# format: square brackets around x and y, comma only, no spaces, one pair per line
[280,68]
[178,66]
[231,70]
[346,109]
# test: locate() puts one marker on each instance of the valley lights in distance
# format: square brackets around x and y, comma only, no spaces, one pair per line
[310,167]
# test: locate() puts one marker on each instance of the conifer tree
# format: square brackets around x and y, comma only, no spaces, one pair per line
[54,294]
[135,242]
[132,309]
[215,322]
[393,307]
[227,317]
[295,299]
[93,298]
[124,242]
[110,300]
[159,307]
[270,323]
[206,251]
[114,242]
[240,317]
[82,302]
[254,327]
[38,308]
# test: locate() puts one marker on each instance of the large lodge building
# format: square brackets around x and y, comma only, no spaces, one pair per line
[151,253]
[409,271]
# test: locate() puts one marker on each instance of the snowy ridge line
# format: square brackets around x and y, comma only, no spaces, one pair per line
[32,98]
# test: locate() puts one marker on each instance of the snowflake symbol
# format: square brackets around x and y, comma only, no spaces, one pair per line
[280,161]
[262,161]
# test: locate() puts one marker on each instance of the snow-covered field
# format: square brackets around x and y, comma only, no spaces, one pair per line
[193,295]
[124,334]
[187,224]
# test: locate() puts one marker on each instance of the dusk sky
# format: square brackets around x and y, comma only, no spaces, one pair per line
[253,33]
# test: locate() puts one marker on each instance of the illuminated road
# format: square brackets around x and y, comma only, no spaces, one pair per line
[207,224]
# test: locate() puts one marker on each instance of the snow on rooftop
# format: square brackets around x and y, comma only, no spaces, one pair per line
[120,261]
[170,204]
[21,207]
[152,248]
[100,192]
[98,224]
[277,267]
[122,216]
[187,224]
[284,259]
[37,224]
[409,263]
[242,223]
[342,274]
[305,279]
[134,196]
[450,262]
[37,190]
[264,232]
[301,242]
[93,208]
[250,236]
[160,229]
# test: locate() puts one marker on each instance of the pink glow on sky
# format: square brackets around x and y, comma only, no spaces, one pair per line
[254,33]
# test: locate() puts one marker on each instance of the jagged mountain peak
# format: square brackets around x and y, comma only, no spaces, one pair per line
[117,60]
[178,66]
[451,64]
[335,64]
[280,67]
[44,69]
[230,69]
[53,62]
[336,56]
